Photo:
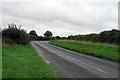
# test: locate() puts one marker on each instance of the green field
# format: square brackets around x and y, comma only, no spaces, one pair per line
[0,59]
[21,61]
[102,50]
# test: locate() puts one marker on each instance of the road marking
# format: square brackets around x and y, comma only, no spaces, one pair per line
[67,57]
[47,61]
[101,70]
[87,65]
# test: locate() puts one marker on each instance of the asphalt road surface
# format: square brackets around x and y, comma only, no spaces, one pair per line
[70,64]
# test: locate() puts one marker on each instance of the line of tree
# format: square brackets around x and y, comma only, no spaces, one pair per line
[20,36]
[111,36]
[47,35]
[14,34]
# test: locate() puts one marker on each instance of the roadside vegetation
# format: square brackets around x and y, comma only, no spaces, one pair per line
[102,50]
[21,61]
[19,58]
[0,58]
[14,34]
[111,36]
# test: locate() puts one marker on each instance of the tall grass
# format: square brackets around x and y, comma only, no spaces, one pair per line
[106,51]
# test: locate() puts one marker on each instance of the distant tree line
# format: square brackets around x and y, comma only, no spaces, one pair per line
[33,35]
[111,36]
[14,34]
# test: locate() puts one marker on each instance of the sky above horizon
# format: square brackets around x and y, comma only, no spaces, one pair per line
[61,17]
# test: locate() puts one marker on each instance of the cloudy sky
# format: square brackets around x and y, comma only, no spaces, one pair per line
[62,17]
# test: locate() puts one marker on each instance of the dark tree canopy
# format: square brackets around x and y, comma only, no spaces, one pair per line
[58,37]
[33,32]
[111,36]
[48,34]
[15,34]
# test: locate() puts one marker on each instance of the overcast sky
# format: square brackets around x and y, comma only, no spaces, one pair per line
[61,17]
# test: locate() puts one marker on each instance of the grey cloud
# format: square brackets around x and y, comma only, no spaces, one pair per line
[67,15]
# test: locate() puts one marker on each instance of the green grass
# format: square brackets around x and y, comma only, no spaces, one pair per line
[0,59]
[106,51]
[21,61]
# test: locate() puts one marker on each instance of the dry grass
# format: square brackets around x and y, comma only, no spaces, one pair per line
[89,42]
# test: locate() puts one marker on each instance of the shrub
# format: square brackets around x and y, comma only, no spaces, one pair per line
[7,41]
[18,35]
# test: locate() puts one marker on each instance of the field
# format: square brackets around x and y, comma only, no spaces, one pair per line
[102,50]
[21,61]
[0,59]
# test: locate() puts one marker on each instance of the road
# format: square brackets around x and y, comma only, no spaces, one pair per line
[70,64]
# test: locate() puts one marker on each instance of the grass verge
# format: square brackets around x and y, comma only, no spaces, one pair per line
[106,51]
[0,59]
[21,61]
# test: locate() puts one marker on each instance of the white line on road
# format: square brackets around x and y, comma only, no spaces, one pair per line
[101,70]
[47,61]
[68,57]
[88,65]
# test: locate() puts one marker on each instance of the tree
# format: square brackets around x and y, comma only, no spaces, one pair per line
[48,34]
[33,32]
[92,37]
[15,34]
[70,37]
[111,36]
[33,35]
[57,37]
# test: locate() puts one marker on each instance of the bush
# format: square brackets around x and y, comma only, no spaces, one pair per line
[7,41]
[18,35]
[111,36]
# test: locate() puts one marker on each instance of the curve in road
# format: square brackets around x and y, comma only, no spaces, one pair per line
[70,64]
